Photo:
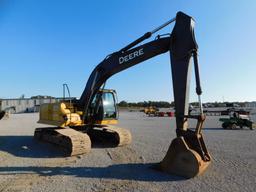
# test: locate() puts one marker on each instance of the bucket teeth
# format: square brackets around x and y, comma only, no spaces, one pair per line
[183,161]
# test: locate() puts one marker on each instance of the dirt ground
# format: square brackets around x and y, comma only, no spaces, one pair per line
[28,165]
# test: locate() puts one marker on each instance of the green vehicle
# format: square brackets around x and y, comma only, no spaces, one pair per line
[237,121]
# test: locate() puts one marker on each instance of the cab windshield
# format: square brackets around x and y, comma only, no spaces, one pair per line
[106,108]
[109,107]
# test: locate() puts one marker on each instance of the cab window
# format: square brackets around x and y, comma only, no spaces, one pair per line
[109,107]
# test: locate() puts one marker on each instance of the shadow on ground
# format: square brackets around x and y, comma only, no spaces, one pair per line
[27,146]
[209,129]
[221,129]
[139,172]
[212,129]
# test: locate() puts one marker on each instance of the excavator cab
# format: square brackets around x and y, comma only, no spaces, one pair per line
[103,108]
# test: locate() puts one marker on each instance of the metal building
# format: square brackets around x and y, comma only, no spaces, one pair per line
[25,105]
[251,104]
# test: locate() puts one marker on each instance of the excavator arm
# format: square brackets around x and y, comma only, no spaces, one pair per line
[187,155]
[181,45]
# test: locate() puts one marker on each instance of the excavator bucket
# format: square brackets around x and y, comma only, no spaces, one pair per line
[185,158]
[2,114]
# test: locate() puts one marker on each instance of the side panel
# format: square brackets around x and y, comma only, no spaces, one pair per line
[59,115]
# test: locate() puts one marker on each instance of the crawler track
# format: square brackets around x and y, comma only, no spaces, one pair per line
[110,136]
[123,136]
[75,142]
[71,141]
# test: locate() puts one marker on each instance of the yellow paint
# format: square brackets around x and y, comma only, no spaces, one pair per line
[58,114]
[107,122]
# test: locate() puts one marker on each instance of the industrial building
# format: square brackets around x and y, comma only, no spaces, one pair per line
[25,105]
[250,104]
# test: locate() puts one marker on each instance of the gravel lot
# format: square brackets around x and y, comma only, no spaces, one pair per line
[27,165]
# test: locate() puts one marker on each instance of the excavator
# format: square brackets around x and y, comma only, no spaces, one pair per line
[79,122]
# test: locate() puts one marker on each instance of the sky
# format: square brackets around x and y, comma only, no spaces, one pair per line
[46,43]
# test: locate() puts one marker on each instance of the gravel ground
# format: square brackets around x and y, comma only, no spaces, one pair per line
[27,165]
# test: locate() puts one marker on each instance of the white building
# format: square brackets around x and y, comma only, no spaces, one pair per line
[25,105]
[251,104]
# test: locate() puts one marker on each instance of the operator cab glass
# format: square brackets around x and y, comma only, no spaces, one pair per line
[106,105]
[109,105]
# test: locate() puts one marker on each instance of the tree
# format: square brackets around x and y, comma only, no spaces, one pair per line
[123,104]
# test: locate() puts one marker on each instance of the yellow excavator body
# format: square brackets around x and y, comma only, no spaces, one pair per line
[59,114]
[63,114]
[74,134]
